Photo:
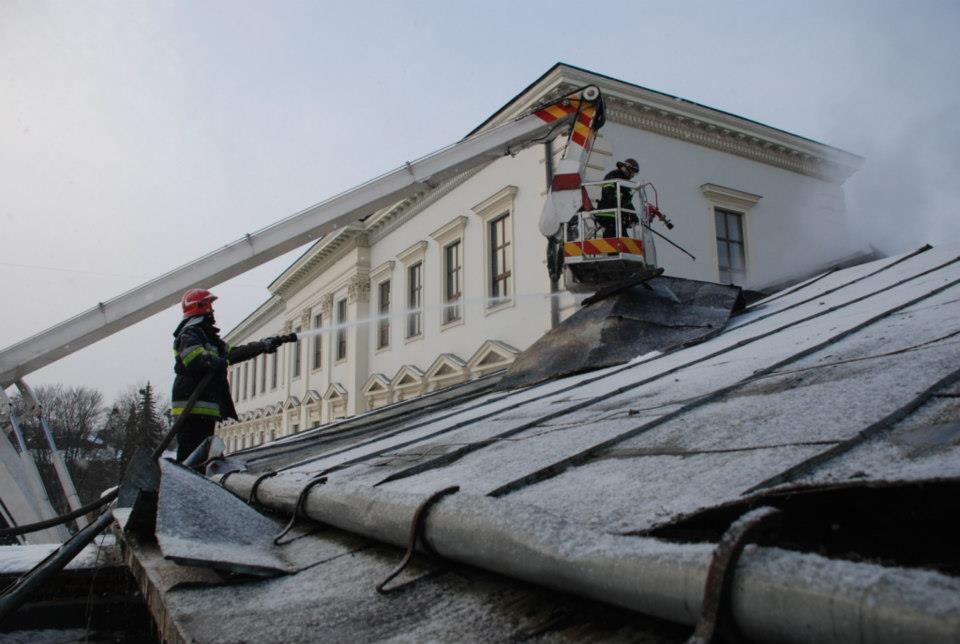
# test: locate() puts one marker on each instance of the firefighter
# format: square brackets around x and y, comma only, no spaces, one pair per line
[198,350]
[625,171]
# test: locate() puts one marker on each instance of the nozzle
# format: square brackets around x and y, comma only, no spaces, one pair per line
[290,337]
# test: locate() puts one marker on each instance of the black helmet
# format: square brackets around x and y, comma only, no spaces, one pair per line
[630,164]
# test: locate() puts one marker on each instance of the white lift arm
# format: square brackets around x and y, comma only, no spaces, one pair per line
[235,258]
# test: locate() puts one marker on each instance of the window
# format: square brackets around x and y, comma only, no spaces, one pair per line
[274,361]
[317,347]
[252,380]
[246,378]
[383,315]
[453,279]
[297,353]
[500,259]
[235,386]
[415,300]
[341,330]
[263,372]
[730,257]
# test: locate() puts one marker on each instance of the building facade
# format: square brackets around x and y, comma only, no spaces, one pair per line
[452,284]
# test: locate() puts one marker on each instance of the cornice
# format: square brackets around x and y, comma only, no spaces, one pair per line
[382,224]
[324,253]
[273,307]
[684,120]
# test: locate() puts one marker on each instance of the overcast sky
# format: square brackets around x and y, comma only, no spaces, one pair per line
[136,136]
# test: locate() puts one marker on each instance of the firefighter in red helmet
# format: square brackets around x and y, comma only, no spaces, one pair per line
[198,350]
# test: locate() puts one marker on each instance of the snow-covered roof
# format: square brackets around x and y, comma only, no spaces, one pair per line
[846,381]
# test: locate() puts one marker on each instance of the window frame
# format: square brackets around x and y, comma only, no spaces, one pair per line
[414,318]
[499,206]
[452,283]
[262,383]
[499,256]
[383,314]
[725,240]
[316,359]
[296,365]
[736,202]
[274,369]
[409,258]
[341,314]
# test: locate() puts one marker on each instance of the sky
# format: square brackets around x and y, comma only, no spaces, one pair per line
[136,136]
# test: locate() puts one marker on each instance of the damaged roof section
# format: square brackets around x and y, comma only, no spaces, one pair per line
[846,386]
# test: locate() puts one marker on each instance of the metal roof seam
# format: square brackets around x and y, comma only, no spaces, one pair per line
[837,288]
[558,467]
[364,429]
[455,455]
[867,432]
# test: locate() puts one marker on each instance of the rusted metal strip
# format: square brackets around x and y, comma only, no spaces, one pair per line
[416,534]
[252,499]
[715,609]
[298,508]
[223,479]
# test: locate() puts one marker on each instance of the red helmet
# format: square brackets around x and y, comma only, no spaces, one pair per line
[197,301]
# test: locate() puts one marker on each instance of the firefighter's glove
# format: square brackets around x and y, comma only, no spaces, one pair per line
[269,345]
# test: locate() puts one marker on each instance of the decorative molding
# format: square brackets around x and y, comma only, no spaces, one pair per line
[376,384]
[382,271]
[732,198]
[335,392]
[413,253]
[305,319]
[503,198]
[492,355]
[450,230]
[318,258]
[358,290]
[387,220]
[287,326]
[675,117]
[326,305]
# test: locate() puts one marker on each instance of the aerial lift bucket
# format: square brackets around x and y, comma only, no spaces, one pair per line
[624,322]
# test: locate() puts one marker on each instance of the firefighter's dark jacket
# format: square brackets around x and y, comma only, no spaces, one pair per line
[608,194]
[198,350]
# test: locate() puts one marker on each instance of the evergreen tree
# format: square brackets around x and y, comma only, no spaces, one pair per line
[151,426]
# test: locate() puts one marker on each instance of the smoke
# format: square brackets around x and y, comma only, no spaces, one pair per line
[907,193]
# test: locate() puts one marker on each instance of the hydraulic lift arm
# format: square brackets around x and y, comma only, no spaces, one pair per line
[583,108]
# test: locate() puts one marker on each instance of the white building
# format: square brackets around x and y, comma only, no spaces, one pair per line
[754,204]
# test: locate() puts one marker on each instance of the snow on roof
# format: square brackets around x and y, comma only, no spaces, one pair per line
[848,378]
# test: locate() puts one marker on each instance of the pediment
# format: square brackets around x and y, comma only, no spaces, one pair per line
[376,384]
[492,353]
[407,376]
[291,402]
[335,392]
[445,366]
